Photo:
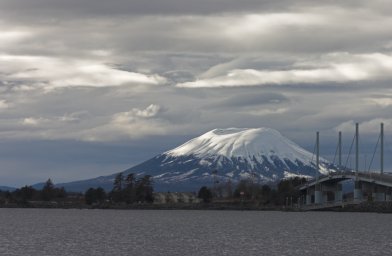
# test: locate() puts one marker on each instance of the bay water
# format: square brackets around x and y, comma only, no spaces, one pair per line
[186,232]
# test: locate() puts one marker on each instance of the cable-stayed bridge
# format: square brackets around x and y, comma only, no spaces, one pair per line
[327,191]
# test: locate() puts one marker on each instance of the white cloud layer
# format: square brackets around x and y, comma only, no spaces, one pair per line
[4,104]
[133,124]
[7,38]
[31,121]
[50,73]
[384,102]
[336,68]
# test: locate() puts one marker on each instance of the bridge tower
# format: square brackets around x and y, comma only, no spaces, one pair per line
[381,193]
[340,149]
[357,183]
[388,191]
[356,149]
[339,188]
[318,194]
[382,149]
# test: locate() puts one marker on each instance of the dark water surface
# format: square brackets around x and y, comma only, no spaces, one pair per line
[171,232]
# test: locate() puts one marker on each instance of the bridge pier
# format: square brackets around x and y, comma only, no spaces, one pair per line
[339,193]
[309,195]
[308,199]
[322,193]
[378,194]
[318,194]
[388,195]
[358,194]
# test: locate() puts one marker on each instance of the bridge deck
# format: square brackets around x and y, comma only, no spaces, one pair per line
[377,178]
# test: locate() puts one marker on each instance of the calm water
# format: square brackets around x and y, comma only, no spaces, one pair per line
[113,232]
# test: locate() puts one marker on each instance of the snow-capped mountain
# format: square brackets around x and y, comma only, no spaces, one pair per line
[225,154]
[250,145]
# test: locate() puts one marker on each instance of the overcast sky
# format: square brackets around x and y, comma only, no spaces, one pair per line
[89,88]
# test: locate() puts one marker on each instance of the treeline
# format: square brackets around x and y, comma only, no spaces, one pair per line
[27,193]
[284,193]
[130,189]
[126,189]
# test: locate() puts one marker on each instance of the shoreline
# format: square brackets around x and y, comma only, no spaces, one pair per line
[384,207]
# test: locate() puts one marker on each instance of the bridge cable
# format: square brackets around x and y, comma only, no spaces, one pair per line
[314,151]
[374,152]
[336,152]
[349,153]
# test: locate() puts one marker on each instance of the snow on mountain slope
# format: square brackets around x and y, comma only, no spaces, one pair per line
[242,143]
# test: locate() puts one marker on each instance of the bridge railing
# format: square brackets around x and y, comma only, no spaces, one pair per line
[322,176]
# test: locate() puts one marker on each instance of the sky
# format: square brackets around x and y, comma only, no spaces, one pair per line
[90,88]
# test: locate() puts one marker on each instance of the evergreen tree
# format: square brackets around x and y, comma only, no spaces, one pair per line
[129,191]
[25,193]
[89,196]
[144,189]
[130,180]
[100,195]
[118,182]
[266,194]
[244,189]
[205,194]
[95,195]
[117,194]
[288,189]
[48,191]
[60,192]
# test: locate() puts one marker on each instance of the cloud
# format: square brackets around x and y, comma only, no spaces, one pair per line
[133,124]
[150,111]
[13,36]
[134,114]
[298,28]
[337,68]
[50,73]
[84,8]
[367,127]
[244,100]
[251,25]
[381,101]
[82,126]
[4,104]
[74,117]
[31,121]
[267,111]
[52,126]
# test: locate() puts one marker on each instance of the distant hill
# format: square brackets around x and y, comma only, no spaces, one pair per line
[5,188]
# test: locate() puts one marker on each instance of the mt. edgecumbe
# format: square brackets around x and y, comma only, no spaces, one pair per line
[229,154]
